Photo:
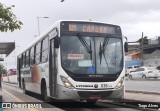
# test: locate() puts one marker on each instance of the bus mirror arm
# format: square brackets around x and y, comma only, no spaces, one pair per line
[126,46]
[56,42]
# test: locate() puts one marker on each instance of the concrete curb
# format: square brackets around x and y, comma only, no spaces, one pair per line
[11,84]
[144,92]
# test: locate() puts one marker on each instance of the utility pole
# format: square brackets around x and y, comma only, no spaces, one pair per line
[39,25]
[142,46]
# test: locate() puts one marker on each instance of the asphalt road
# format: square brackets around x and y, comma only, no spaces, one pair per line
[149,85]
[14,94]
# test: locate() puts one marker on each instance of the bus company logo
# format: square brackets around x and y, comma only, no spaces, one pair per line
[95,76]
[96,85]
[84,85]
[6,105]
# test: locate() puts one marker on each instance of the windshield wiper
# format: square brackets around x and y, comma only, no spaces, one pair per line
[85,44]
[102,49]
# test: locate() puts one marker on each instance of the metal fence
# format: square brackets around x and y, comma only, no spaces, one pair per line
[133,62]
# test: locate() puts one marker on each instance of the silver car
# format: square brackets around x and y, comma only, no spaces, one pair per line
[144,72]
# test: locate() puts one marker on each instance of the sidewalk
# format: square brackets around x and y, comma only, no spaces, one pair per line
[143,97]
[12,84]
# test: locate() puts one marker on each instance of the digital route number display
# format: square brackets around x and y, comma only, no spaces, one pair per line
[88,27]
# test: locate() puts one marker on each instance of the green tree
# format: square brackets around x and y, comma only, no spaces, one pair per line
[144,40]
[8,20]
[3,70]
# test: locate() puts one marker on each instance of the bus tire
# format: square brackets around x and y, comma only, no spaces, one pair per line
[130,76]
[24,87]
[91,102]
[45,98]
[144,76]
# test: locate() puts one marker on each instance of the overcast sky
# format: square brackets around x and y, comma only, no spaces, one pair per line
[134,17]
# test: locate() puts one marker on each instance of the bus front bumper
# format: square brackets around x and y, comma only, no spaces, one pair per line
[82,94]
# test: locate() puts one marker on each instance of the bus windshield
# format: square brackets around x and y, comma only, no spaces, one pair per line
[91,55]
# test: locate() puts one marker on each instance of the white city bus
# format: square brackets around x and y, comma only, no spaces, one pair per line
[75,60]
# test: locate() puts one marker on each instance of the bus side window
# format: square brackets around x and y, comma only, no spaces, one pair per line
[20,61]
[27,56]
[24,60]
[29,51]
[44,52]
[32,56]
[37,53]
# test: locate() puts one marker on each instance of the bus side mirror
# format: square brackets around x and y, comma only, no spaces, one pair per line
[56,42]
[126,46]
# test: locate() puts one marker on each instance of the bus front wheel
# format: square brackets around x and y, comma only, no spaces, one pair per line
[91,102]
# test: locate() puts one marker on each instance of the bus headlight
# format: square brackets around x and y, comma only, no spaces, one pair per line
[120,83]
[66,82]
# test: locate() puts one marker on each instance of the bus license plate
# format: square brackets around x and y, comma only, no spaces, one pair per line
[95,97]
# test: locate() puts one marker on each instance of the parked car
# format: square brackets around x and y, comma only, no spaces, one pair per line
[130,69]
[144,72]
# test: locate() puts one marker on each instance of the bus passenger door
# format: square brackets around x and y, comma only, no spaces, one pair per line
[52,70]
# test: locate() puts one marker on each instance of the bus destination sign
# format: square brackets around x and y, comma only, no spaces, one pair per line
[89,27]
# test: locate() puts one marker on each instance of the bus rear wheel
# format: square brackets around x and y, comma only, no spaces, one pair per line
[24,88]
[45,98]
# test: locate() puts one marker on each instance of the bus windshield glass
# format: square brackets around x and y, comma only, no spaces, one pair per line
[91,55]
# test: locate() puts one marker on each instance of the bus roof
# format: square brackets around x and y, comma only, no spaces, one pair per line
[55,25]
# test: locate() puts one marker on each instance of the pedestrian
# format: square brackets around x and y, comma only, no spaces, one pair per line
[0,81]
